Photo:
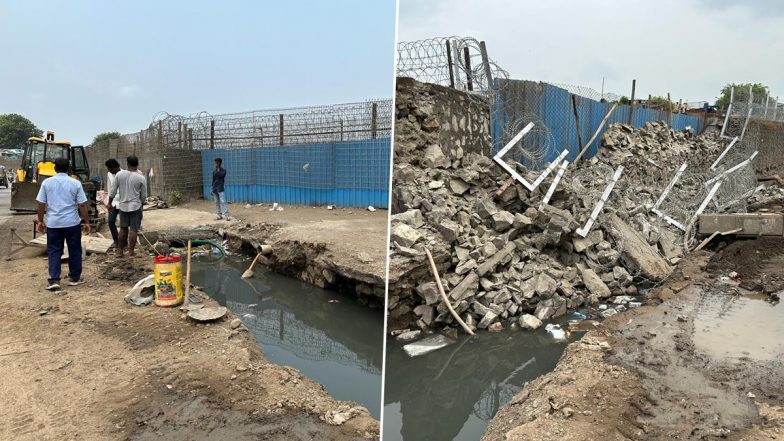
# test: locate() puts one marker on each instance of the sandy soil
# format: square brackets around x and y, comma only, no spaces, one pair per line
[641,376]
[82,364]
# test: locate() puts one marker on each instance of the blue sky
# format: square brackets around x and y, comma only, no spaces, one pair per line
[81,67]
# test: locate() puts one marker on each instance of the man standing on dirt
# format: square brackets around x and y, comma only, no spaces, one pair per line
[130,188]
[63,200]
[218,189]
[114,167]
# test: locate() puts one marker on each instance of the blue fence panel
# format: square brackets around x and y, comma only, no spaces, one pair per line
[349,174]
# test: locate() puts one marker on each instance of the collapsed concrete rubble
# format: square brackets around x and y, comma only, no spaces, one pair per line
[509,259]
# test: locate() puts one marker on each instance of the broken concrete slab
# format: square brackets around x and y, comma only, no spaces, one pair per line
[635,250]
[492,262]
[405,235]
[594,283]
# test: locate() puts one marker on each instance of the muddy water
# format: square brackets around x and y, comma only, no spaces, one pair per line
[728,325]
[452,393]
[329,337]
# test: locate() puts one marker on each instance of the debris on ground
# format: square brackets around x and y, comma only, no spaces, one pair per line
[154,203]
[503,254]
[207,314]
[142,292]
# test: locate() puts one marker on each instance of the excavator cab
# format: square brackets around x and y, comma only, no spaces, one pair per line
[38,165]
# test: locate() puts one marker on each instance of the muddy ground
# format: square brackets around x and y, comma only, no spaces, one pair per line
[82,364]
[690,365]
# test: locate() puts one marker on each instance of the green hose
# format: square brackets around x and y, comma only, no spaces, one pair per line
[198,242]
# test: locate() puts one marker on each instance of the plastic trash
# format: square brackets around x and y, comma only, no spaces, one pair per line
[608,313]
[427,345]
[579,315]
[371,208]
[556,331]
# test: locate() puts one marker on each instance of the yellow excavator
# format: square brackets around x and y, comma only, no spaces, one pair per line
[38,164]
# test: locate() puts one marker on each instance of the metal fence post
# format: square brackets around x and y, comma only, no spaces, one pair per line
[373,120]
[450,65]
[577,123]
[212,134]
[467,58]
[748,114]
[486,64]
[727,115]
[631,102]
[280,125]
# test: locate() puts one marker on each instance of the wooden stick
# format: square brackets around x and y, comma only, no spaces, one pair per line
[596,133]
[188,276]
[255,259]
[443,294]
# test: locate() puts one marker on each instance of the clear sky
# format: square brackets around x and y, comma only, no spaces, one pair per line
[689,48]
[81,67]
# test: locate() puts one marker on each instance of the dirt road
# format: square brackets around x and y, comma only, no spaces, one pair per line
[82,364]
[706,363]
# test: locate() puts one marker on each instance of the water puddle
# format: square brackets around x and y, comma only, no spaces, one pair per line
[729,325]
[452,393]
[328,336]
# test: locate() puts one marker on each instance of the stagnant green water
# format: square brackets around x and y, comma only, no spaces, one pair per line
[452,393]
[328,336]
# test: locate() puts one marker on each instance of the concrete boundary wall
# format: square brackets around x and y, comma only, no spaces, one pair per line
[173,174]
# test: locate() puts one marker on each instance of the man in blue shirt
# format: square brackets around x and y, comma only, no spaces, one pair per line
[218,190]
[63,200]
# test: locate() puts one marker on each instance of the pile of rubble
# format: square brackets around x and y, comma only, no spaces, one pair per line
[155,202]
[507,259]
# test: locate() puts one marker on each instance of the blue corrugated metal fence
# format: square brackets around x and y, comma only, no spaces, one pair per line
[349,174]
[553,105]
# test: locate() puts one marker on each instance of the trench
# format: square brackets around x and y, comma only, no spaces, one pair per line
[327,335]
[454,392]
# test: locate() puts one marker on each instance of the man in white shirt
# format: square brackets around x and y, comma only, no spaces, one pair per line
[114,167]
[130,189]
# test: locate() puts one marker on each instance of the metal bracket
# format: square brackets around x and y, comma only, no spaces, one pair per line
[554,184]
[716,162]
[582,232]
[498,158]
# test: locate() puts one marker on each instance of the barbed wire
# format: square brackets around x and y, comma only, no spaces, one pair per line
[449,61]
[272,127]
